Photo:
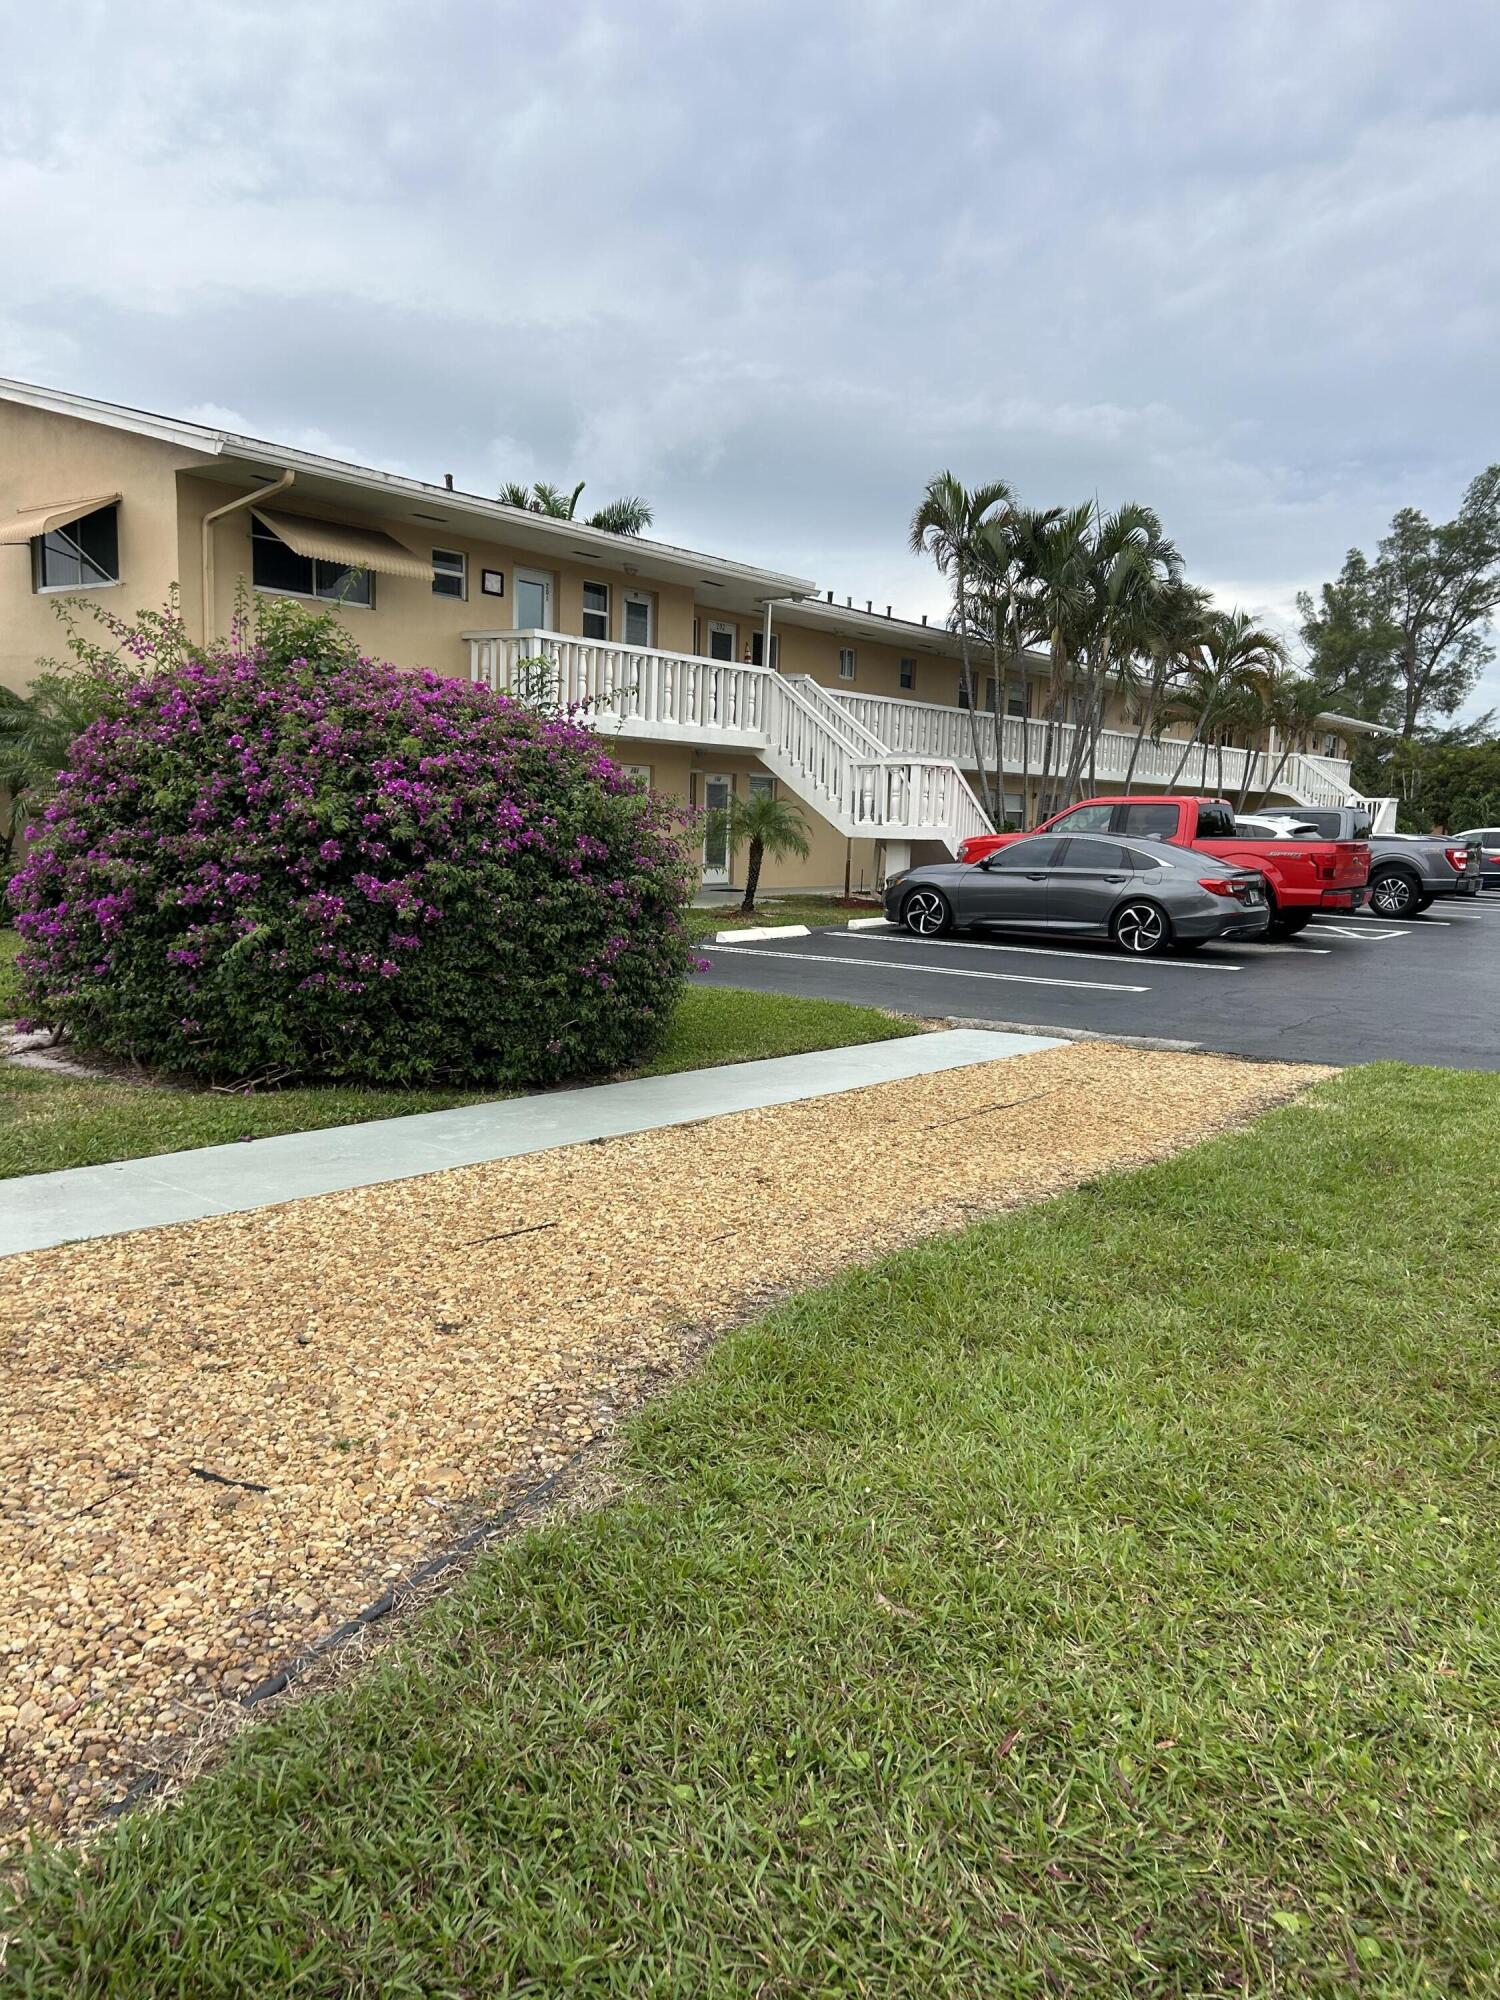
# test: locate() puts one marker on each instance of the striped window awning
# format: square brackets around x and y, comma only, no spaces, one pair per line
[350,548]
[34,521]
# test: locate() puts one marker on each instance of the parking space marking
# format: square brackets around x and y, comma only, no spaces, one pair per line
[1042,950]
[927,971]
[1361,937]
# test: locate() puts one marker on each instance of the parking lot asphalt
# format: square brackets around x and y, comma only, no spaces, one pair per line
[1347,990]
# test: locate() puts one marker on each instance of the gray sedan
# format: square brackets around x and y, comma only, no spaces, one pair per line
[1144,895]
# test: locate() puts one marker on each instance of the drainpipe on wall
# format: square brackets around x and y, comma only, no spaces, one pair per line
[246,500]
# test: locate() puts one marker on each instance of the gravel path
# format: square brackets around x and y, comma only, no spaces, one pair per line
[375,1368]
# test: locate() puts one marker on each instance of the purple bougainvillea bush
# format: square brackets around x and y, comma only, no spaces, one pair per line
[295,872]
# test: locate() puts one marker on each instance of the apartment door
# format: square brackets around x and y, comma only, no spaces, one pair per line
[533,601]
[718,789]
[721,638]
[638,618]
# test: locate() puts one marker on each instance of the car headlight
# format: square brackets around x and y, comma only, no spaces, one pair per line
[894,881]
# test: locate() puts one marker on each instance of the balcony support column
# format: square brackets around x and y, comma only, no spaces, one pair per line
[897,857]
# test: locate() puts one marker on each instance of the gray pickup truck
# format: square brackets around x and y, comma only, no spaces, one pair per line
[1408,871]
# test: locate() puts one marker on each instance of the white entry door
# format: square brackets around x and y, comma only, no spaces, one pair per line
[717,792]
[533,601]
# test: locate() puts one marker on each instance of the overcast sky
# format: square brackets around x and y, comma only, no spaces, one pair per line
[771,265]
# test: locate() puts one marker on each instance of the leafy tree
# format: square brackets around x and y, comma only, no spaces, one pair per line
[1404,639]
[946,526]
[768,826]
[629,515]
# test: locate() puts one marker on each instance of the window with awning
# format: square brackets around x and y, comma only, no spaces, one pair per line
[75,544]
[329,559]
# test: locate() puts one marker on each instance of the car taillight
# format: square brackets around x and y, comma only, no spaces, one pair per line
[1458,858]
[1222,885]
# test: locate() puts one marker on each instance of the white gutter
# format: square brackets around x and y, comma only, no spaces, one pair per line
[246,500]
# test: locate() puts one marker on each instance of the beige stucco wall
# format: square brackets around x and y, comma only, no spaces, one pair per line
[409,623]
[679,772]
[47,459]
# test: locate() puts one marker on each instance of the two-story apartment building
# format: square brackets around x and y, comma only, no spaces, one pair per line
[708,675]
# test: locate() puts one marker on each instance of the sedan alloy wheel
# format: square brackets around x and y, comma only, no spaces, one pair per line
[925,913]
[1142,930]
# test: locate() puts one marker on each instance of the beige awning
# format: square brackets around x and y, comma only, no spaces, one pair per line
[34,521]
[351,548]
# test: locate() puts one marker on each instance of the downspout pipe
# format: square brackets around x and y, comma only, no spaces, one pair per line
[246,500]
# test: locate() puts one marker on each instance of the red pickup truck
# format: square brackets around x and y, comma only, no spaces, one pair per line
[1301,875]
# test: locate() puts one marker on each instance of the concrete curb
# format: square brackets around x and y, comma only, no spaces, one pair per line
[762,931]
[870,924]
[969,1021]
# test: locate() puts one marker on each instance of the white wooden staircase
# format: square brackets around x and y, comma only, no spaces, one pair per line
[814,744]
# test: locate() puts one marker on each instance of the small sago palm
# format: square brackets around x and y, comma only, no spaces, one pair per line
[767,826]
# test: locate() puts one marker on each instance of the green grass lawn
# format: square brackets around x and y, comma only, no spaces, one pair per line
[48,1122]
[1102,1602]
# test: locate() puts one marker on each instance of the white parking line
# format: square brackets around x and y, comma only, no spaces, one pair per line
[1043,950]
[1361,937]
[929,971]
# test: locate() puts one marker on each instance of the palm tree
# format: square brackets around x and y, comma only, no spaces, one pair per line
[1291,705]
[1232,648]
[770,825]
[946,526]
[627,516]
[1004,598]
[1176,635]
[1058,554]
[1129,560]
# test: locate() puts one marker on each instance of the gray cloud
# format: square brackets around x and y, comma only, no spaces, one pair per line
[772,265]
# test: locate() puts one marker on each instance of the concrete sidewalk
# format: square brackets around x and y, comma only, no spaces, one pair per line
[45,1209]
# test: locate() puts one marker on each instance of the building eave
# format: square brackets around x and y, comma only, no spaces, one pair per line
[233,454]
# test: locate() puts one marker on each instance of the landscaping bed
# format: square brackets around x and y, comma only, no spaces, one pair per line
[229,1435]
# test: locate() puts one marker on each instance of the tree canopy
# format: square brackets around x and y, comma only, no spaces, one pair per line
[1403,639]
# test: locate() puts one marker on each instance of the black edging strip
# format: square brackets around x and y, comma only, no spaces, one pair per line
[151,1781]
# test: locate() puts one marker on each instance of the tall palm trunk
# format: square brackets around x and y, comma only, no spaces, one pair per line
[1192,743]
[1250,757]
[753,859]
[1056,693]
[968,673]
[999,720]
[1270,784]
[1025,730]
[1148,715]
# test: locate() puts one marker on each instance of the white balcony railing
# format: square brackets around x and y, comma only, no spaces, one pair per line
[928,730]
[869,763]
[822,753]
